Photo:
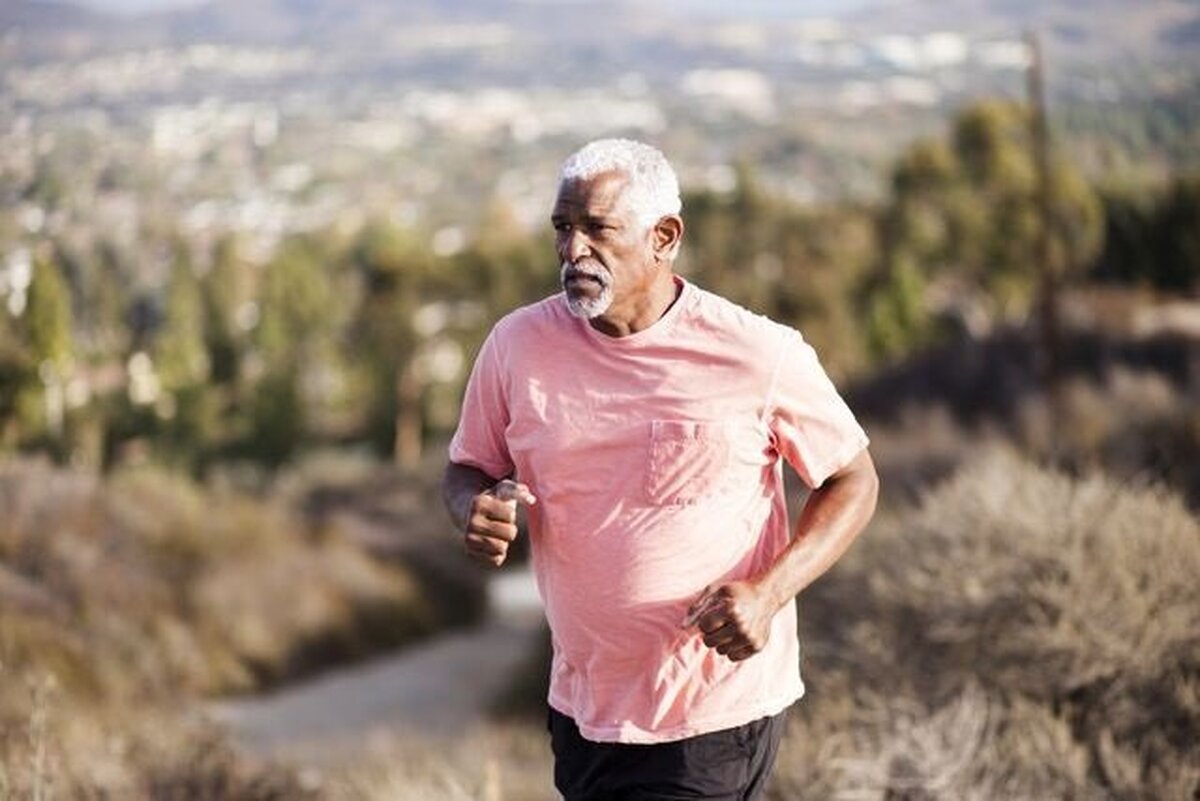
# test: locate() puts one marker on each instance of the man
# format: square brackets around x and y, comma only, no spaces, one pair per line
[643,422]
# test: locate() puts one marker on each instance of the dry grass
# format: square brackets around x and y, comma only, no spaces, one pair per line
[1020,634]
[1128,400]
[55,746]
[169,587]
[1135,425]
[1016,633]
[123,601]
[493,763]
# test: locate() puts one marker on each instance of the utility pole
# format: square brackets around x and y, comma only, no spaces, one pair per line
[1049,331]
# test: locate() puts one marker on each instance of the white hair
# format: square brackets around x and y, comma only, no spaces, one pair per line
[653,190]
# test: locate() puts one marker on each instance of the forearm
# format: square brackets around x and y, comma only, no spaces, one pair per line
[460,484]
[831,520]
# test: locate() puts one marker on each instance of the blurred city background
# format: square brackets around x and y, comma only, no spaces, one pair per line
[249,249]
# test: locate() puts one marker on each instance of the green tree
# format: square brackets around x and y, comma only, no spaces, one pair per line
[1153,236]
[45,327]
[226,289]
[503,268]
[799,265]
[959,234]
[394,269]
[1179,235]
[180,354]
[181,360]
[15,371]
[298,319]
[728,232]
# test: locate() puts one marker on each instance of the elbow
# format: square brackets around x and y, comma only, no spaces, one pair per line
[867,484]
[444,488]
[872,493]
[450,490]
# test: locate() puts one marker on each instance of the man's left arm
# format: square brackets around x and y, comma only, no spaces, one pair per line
[735,617]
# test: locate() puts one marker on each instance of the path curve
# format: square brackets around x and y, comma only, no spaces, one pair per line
[439,687]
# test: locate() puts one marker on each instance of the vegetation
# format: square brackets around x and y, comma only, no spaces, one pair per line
[961,233]
[1018,632]
[1153,241]
[125,601]
[990,641]
[365,335]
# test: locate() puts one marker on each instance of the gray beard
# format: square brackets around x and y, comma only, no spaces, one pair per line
[582,306]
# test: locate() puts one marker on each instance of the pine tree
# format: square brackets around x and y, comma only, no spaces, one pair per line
[187,407]
[293,340]
[46,329]
[961,229]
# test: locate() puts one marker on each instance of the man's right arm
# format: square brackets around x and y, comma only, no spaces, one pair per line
[484,510]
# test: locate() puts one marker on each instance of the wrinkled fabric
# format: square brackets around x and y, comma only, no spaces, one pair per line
[727,765]
[657,460]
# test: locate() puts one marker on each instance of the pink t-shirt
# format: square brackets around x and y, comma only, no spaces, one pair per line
[655,459]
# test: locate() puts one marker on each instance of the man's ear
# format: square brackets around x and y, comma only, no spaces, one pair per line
[667,236]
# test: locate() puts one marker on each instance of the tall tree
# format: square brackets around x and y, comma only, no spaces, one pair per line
[180,354]
[226,289]
[959,237]
[298,318]
[394,266]
[181,360]
[46,327]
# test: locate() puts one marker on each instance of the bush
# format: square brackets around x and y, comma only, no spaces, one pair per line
[124,601]
[1018,634]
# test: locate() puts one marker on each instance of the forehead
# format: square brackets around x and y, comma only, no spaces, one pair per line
[604,194]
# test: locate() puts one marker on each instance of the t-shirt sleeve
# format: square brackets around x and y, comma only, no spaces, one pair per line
[814,429]
[479,440]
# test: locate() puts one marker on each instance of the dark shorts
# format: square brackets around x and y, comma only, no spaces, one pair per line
[727,765]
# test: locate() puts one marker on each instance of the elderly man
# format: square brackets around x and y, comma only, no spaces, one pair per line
[644,423]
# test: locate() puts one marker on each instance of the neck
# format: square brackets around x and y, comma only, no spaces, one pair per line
[643,312]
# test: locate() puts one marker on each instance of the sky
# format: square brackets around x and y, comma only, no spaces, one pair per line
[771,8]
[743,8]
[133,6]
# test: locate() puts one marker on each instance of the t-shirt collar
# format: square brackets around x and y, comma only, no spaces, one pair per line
[656,330]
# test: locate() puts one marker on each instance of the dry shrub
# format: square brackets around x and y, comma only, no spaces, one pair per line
[1019,634]
[492,763]
[1016,634]
[169,587]
[65,750]
[133,596]
[1045,584]
[971,747]
[922,446]
[1132,424]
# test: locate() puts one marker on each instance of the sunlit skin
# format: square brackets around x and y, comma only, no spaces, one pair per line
[597,233]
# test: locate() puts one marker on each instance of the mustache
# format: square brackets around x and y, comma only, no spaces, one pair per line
[586,268]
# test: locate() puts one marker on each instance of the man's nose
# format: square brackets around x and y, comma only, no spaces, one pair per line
[574,245]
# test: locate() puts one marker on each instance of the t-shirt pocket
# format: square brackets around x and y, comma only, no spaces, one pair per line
[688,461]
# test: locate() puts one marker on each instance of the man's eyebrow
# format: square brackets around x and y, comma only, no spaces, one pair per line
[589,219]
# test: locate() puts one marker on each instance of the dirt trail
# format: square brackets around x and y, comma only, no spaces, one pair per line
[439,687]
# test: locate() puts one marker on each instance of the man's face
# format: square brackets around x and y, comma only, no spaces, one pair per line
[606,254]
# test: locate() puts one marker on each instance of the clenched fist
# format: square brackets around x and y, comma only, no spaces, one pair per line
[492,522]
[735,618]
